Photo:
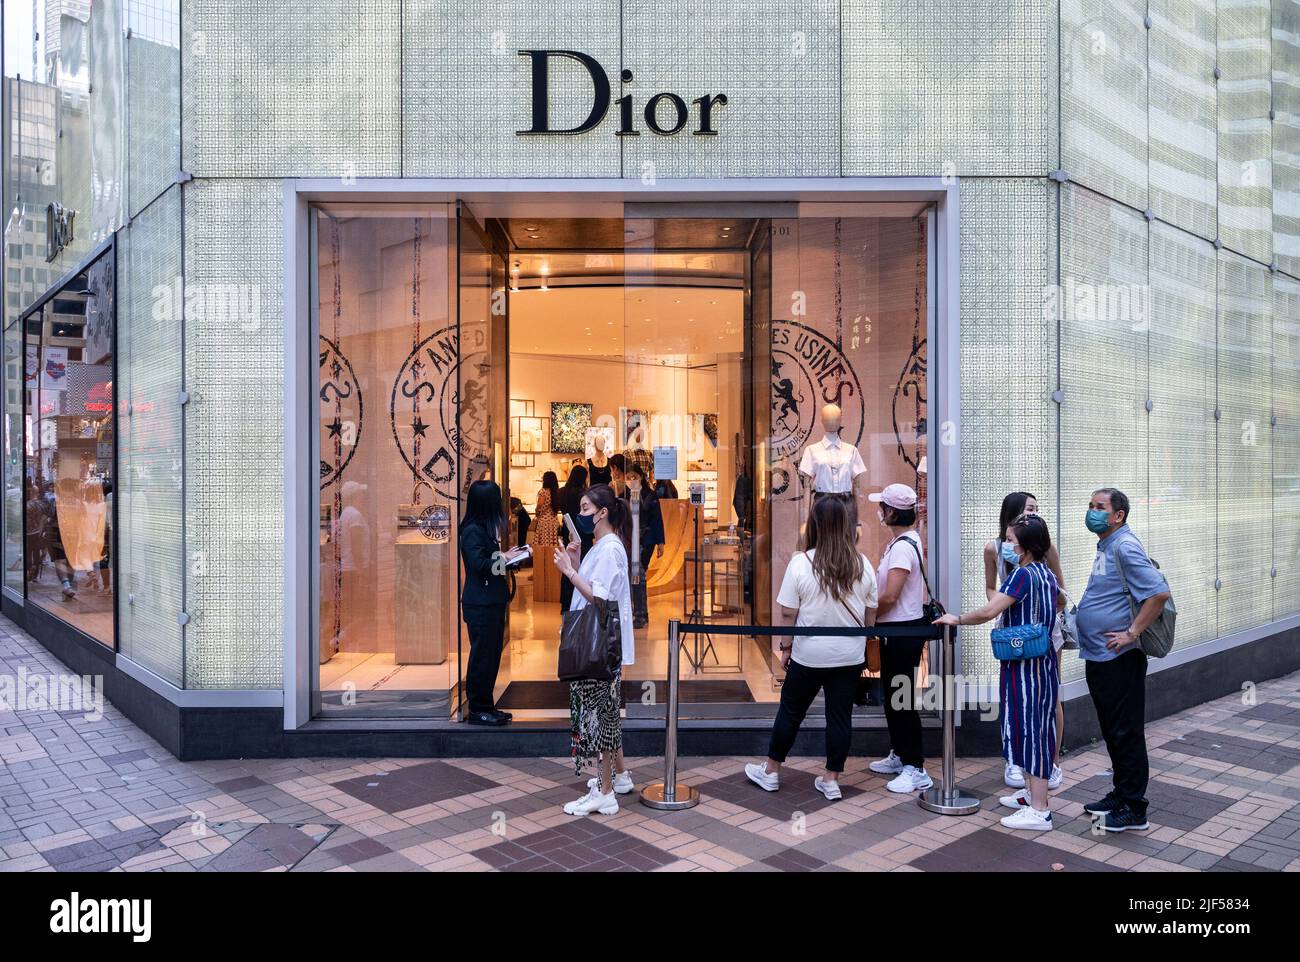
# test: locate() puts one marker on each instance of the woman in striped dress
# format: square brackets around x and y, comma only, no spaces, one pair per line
[1029,686]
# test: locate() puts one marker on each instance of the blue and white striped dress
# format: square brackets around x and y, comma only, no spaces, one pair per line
[1030,686]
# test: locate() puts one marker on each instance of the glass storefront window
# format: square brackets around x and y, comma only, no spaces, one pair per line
[70,451]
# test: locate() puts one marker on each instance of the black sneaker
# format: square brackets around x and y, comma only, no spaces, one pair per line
[492,718]
[1122,819]
[1107,804]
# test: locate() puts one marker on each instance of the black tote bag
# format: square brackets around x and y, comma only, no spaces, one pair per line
[591,642]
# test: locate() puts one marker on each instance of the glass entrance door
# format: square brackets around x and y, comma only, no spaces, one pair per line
[481,399]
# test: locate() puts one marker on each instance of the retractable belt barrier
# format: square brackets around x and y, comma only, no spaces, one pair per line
[944,798]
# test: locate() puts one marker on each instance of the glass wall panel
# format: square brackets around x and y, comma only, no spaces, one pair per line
[275,90]
[1286,445]
[70,483]
[1245,489]
[1180,514]
[1286,135]
[1104,369]
[150,522]
[972,91]
[234,434]
[153,90]
[1009,310]
[391,371]
[15,387]
[1245,140]
[1104,97]
[1183,114]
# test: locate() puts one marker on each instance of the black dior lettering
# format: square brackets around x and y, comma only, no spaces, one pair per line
[676,105]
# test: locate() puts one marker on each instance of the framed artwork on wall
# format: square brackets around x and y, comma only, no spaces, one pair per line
[569,423]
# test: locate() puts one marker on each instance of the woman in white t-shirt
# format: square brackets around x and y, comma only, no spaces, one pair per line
[828,584]
[902,585]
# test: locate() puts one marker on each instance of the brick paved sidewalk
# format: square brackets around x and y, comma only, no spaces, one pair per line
[102,795]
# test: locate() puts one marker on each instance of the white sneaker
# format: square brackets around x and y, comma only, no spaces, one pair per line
[760,776]
[1030,819]
[593,801]
[1054,782]
[910,779]
[1017,801]
[1014,776]
[622,782]
[828,788]
[889,765]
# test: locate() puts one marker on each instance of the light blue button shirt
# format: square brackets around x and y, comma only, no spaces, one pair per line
[1104,607]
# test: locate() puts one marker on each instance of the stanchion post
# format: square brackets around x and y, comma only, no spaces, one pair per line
[668,795]
[946,798]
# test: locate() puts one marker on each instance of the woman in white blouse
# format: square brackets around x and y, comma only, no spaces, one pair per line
[594,705]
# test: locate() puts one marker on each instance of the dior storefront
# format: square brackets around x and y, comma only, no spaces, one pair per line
[280,285]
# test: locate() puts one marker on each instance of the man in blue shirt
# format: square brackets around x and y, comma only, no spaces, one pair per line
[1116,665]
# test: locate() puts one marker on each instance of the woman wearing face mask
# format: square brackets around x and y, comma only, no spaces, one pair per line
[999,562]
[1029,686]
[594,705]
[649,527]
[901,587]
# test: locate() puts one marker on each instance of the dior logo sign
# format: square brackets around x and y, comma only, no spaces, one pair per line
[665,113]
[58,229]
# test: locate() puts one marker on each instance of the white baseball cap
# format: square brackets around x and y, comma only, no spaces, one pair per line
[898,496]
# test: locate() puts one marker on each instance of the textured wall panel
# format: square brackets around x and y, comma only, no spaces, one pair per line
[778,66]
[1245,520]
[153,89]
[465,89]
[1183,115]
[1286,135]
[1245,141]
[149,509]
[1179,522]
[1103,368]
[1286,446]
[972,91]
[1104,97]
[1008,441]
[234,485]
[292,90]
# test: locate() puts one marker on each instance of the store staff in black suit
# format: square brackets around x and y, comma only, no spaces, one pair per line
[484,598]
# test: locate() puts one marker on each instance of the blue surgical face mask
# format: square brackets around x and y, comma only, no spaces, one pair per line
[1009,554]
[1097,521]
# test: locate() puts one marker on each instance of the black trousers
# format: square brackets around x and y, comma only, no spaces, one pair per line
[640,602]
[899,658]
[797,693]
[487,632]
[1119,688]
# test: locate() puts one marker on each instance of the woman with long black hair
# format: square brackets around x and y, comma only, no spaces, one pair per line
[570,506]
[484,598]
[594,705]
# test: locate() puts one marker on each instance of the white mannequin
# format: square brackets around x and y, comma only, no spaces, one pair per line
[831,449]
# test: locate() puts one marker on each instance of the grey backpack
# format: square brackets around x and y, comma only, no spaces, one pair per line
[1158,639]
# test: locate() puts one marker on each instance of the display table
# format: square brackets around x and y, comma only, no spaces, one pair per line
[546,577]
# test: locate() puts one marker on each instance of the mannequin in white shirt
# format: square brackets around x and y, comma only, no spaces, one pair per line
[833,466]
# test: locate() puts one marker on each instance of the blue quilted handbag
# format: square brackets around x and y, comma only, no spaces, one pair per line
[1018,642]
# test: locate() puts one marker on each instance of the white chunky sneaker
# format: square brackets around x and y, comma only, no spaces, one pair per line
[828,788]
[1030,819]
[1014,776]
[622,782]
[1017,801]
[889,765]
[1054,782]
[593,801]
[760,776]
[910,779]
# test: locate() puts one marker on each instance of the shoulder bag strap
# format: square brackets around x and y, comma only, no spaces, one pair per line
[1123,583]
[915,547]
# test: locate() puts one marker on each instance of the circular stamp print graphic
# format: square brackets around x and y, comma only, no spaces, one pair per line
[340,394]
[809,371]
[432,419]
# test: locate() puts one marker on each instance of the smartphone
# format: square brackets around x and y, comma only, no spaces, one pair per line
[572,528]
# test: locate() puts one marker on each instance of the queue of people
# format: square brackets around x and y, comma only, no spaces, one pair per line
[828,583]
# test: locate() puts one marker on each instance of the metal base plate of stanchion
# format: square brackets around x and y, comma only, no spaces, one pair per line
[686,796]
[934,800]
